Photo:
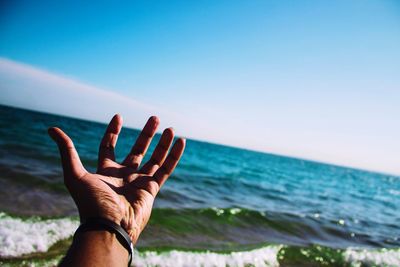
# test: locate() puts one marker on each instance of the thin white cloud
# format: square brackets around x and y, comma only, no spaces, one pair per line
[29,87]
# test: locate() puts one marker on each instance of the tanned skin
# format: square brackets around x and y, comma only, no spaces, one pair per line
[121,192]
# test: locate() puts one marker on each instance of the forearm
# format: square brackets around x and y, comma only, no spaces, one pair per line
[96,248]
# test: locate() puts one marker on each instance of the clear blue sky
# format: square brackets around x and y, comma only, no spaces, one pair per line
[313,79]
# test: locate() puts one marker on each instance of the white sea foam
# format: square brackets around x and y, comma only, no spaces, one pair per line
[259,258]
[364,257]
[266,256]
[18,237]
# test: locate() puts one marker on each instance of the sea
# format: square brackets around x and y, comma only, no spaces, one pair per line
[223,206]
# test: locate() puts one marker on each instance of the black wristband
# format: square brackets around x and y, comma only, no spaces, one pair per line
[104,224]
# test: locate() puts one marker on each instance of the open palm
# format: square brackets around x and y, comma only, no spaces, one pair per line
[121,192]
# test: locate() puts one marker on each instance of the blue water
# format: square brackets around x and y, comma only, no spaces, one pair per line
[245,198]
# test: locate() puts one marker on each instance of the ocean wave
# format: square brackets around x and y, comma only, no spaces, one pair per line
[26,242]
[365,257]
[23,236]
[266,256]
[273,256]
[238,228]
[214,229]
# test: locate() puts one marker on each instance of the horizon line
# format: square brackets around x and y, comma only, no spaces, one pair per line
[213,143]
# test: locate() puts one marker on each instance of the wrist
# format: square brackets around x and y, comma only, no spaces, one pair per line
[96,248]
[103,231]
[103,239]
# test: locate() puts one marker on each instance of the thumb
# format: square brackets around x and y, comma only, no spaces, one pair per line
[71,163]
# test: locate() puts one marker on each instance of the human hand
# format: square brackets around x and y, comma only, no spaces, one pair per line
[120,192]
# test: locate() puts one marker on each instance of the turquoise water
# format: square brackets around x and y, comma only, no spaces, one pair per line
[220,198]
